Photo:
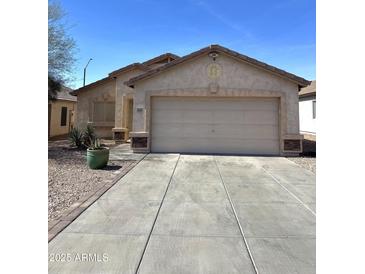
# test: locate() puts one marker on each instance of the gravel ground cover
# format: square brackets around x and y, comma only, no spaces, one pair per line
[305,162]
[307,159]
[69,178]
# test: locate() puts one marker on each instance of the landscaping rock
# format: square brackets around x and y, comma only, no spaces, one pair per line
[305,162]
[69,177]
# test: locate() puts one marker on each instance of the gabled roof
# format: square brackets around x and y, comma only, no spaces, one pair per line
[142,66]
[93,84]
[309,90]
[129,67]
[160,58]
[64,94]
[299,80]
[112,75]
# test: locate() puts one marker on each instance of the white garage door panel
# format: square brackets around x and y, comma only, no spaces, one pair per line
[215,125]
[228,116]
[166,130]
[168,116]
[231,146]
[262,117]
[220,131]
[194,116]
[255,132]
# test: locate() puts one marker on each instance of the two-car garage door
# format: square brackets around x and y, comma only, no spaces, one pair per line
[215,125]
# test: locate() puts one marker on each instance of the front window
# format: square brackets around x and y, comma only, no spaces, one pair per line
[104,112]
[63,116]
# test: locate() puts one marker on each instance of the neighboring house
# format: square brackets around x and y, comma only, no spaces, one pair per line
[213,100]
[61,113]
[307,110]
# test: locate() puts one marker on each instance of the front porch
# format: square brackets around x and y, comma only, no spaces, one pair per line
[123,119]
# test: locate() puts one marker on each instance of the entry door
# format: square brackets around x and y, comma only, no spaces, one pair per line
[215,125]
[49,119]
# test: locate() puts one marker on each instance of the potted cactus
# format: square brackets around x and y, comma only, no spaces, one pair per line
[97,156]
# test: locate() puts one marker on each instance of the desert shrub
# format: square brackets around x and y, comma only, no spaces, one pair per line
[76,137]
[95,145]
[89,136]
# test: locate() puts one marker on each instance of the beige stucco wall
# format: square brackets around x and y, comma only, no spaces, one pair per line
[103,92]
[113,90]
[123,93]
[236,78]
[55,123]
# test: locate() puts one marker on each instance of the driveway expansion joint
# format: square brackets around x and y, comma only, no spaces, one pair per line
[158,212]
[197,236]
[292,194]
[237,220]
[283,237]
[204,219]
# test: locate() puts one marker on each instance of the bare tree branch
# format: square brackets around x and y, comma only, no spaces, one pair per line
[61,50]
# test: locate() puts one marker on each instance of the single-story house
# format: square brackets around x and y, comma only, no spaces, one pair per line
[307,110]
[213,100]
[61,113]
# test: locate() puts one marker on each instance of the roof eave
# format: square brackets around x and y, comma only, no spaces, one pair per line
[129,68]
[94,84]
[161,57]
[290,76]
[299,80]
[311,94]
[65,99]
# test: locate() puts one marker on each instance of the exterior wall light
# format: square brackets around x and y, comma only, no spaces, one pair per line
[213,55]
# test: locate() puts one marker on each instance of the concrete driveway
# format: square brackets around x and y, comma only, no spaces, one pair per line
[196,214]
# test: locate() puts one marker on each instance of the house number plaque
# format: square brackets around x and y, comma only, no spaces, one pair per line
[214,71]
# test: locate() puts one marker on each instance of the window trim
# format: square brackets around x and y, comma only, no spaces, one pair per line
[314,109]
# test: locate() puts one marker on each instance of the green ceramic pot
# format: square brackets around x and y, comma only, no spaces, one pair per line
[97,158]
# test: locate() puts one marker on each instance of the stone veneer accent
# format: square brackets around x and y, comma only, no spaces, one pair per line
[139,142]
[119,136]
[292,145]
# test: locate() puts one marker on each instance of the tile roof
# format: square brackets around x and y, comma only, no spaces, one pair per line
[64,94]
[161,58]
[177,60]
[93,84]
[129,67]
[299,80]
[309,90]
[142,66]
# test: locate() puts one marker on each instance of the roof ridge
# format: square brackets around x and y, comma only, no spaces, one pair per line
[112,74]
[65,93]
[130,66]
[301,81]
[159,57]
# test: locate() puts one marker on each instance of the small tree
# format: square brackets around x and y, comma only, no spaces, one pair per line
[61,50]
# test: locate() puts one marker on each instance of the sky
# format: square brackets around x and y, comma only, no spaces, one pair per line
[116,33]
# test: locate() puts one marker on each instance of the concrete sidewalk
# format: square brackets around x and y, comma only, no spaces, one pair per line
[196,214]
[123,152]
